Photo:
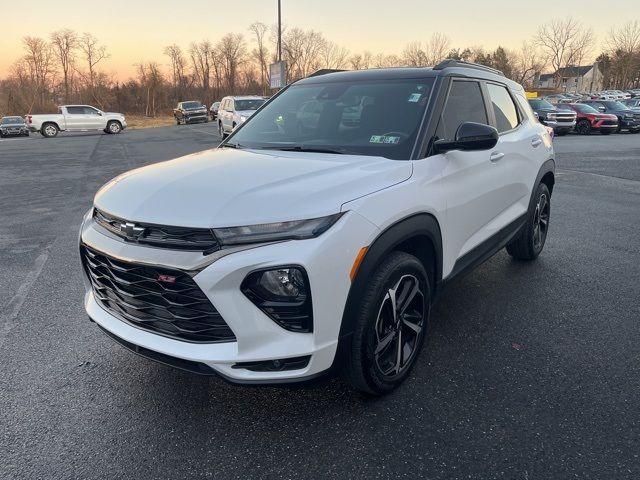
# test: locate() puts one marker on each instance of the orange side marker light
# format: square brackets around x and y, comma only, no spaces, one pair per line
[357,262]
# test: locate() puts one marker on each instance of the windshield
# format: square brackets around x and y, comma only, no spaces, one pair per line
[615,105]
[253,104]
[191,105]
[541,104]
[377,118]
[12,121]
[582,108]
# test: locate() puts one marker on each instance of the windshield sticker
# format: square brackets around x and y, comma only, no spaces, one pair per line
[389,139]
[414,97]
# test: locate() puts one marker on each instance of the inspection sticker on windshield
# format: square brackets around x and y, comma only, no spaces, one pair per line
[384,139]
[414,97]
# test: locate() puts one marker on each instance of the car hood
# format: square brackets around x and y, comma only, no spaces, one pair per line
[226,187]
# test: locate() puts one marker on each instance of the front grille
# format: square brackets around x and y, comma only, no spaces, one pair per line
[163,236]
[161,300]
[565,117]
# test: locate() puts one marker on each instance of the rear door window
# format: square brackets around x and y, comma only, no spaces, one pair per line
[504,109]
[75,110]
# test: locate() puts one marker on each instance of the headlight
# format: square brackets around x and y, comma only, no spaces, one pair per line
[269,232]
[551,116]
[283,294]
[243,118]
[627,115]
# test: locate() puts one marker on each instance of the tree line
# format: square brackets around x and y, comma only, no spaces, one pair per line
[67,67]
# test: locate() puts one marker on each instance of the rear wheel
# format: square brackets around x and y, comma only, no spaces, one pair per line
[49,130]
[530,241]
[391,324]
[583,127]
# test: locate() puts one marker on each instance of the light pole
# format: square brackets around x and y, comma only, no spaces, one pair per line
[279,33]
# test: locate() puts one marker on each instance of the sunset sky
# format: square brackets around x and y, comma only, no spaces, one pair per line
[136,30]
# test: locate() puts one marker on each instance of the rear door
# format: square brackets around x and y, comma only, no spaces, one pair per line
[75,118]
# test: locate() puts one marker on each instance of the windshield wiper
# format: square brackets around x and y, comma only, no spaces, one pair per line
[301,148]
[231,145]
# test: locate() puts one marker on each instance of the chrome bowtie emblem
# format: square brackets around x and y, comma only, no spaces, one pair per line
[131,230]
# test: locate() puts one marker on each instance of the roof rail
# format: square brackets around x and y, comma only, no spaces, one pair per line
[450,62]
[324,71]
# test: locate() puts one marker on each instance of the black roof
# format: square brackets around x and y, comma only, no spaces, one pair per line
[444,68]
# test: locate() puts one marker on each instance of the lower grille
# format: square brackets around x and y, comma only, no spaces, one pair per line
[160,300]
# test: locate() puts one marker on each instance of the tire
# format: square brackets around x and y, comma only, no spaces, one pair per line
[114,127]
[221,131]
[177,121]
[583,127]
[529,242]
[373,363]
[561,133]
[49,130]
[26,134]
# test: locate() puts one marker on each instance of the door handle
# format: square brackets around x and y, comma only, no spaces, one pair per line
[536,141]
[495,156]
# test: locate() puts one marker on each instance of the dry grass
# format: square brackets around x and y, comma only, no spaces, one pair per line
[140,121]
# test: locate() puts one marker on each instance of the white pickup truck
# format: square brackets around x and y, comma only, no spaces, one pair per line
[76,118]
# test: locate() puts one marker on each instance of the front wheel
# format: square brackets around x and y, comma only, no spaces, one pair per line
[221,130]
[528,244]
[583,127]
[390,325]
[114,127]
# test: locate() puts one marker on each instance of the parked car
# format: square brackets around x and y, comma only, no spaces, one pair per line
[189,112]
[557,98]
[76,118]
[13,126]
[627,118]
[562,121]
[234,111]
[633,103]
[213,111]
[282,255]
[588,119]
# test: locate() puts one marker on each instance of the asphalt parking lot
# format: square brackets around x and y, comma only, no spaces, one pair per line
[532,371]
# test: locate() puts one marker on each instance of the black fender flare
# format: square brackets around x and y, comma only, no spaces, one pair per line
[547,167]
[417,225]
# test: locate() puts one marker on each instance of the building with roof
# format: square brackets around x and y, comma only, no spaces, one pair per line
[586,78]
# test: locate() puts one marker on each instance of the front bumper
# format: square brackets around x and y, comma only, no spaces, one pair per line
[219,276]
[630,124]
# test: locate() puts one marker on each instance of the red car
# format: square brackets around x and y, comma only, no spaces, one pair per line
[591,120]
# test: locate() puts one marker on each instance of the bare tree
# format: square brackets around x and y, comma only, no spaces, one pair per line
[302,50]
[233,51]
[201,63]
[150,78]
[529,62]
[334,56]
[178,66]
[261,54]
[93,54]
[624,48]
[65,43]
[565,42]
[39,63]
[435,50]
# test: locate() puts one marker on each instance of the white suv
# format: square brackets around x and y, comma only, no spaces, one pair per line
[299,247]
[234,111]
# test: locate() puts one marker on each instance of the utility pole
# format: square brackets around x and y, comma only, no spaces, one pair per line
[279,33]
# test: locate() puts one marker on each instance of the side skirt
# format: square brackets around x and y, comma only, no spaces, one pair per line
[485,250]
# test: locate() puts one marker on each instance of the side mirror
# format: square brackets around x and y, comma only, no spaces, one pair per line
[602,109]
[469,136]
[535,114]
